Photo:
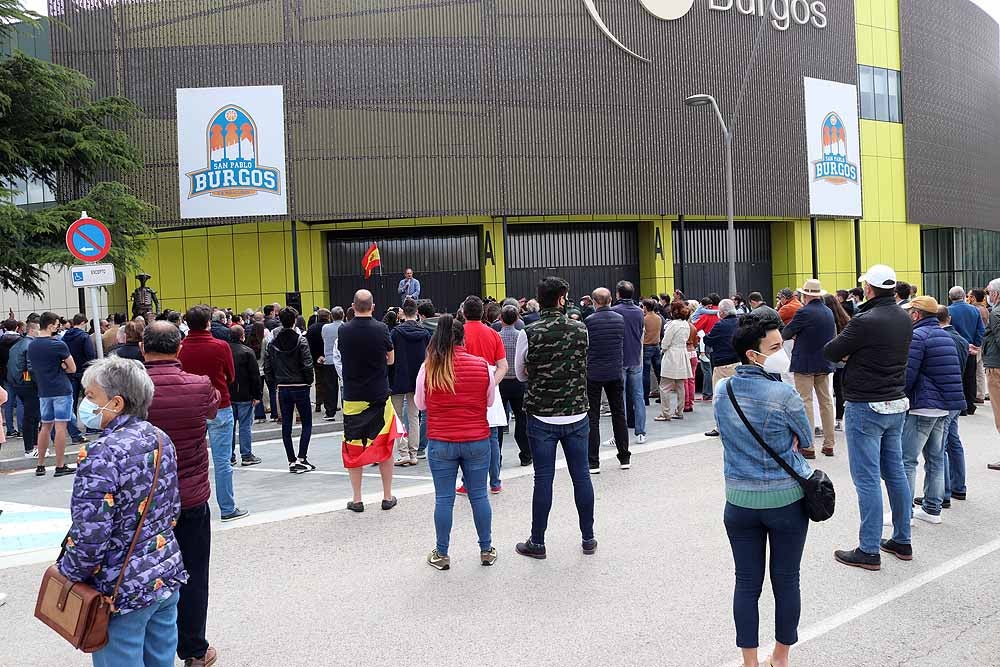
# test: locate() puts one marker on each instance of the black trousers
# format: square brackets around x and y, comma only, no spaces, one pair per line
[969,383]
[838,392]
[615,390]
[194,535]
[32,416]
[331,388]
[512,395]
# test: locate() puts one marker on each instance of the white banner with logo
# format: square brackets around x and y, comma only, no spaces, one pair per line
[833,133]
[231,152]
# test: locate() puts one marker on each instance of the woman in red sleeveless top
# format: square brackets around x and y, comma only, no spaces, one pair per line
[456,388]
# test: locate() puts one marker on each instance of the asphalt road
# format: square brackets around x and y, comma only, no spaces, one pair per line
[303,582]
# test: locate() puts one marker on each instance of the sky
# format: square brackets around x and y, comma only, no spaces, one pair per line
[992,6]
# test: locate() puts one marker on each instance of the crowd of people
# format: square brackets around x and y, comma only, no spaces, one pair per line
[892,370]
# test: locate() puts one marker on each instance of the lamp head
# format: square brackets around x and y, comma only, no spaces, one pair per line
[698,100]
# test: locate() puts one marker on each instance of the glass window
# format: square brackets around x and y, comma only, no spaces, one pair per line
[867,87]
[895,114]
[20,192]
[881,94]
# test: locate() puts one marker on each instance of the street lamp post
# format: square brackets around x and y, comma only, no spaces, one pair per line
[706,100]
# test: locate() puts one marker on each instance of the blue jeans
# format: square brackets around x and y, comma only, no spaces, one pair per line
[243,414]
[423,428]
[496,457]
[650,368]
[875,450]
[635,402]
[145,637]
[750,531]
[444,459]
[954,459]
[220,437]
[290,399]
[544,438]
[71,426]
[706,379]
[925,434]
[13,406]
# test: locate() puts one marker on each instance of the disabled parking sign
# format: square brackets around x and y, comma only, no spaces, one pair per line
[88,239]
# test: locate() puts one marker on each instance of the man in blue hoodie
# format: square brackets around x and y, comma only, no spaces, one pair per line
[635,404]
[969,324]
[934,388]
[410,340]
[81,347]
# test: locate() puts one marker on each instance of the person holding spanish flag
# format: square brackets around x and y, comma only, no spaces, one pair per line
[362,354]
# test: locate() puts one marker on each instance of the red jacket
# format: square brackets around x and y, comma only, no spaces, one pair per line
[182,403]
[202,354]
[461,416]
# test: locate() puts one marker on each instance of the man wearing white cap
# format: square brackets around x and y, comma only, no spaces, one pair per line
[875,344]
[813,327]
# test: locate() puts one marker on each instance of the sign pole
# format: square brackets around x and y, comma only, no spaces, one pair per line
[95,304]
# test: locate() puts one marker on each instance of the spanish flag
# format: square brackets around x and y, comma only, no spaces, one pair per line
[370,432]
[371,260]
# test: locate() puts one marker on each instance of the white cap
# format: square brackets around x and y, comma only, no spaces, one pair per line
[880,276]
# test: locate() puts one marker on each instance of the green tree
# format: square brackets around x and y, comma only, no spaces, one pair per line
[53,129]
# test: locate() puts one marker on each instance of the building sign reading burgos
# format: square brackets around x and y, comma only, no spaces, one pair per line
[231,152]
[782,14]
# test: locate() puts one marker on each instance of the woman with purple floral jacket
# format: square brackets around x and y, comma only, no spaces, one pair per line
[112,484]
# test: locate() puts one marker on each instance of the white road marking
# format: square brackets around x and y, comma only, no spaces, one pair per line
[344,473]
[885,597]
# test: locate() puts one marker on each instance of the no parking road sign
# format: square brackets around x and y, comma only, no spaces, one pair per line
[88,240]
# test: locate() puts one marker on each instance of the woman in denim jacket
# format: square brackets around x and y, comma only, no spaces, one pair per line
[763,503]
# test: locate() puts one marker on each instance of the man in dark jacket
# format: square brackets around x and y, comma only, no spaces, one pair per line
[874,344]
[606,330]
[410,340]
[314,336]
[81,347]
[182,405]
[22,385]
[288,365]
[219,328]
[934,387]
[246,391]
[719,343]
[954,450]
[635,400]
[13,406]
[812,327]
[969,324]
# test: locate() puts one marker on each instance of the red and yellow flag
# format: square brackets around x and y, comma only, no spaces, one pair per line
[370,433]
[371,260]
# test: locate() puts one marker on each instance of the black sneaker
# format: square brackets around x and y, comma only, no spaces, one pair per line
[390,503]
[530,549]
[858,558]
[714,433]
[80,440]
[958,496]
[305,462]
[595,470]
[330,418]
[525,462]
[297,468]
[235,514]
[250,460]
[900,551]
[40,471]
[232,460]
[589,546]
[945,504]
[62,471]
[356,506]
[14,434]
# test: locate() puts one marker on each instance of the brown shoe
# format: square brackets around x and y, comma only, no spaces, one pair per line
[828,451]
[208,659]
[808,453]
[993,466]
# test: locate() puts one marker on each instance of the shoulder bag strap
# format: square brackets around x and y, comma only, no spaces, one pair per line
[145,508]
[774,455]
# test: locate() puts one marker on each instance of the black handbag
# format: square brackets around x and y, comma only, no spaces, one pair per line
[821,499]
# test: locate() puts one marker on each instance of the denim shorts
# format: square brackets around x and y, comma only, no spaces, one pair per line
[56,408]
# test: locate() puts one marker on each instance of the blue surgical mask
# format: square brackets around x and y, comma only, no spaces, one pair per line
[89,413]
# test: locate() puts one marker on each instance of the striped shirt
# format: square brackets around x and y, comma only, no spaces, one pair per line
[508,334]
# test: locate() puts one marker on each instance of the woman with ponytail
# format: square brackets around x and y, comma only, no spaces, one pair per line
[456,388]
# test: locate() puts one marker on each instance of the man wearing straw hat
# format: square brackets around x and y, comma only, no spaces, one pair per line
[812,328]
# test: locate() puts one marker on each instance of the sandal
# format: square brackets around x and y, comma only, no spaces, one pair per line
[661,418]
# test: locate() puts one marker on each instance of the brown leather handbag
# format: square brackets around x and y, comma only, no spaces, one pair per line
[77,611]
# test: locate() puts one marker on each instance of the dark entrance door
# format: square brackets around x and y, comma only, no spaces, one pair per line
[706,269]
[444,259]
[588,256]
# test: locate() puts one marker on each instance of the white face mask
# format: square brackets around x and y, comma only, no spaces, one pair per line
[777,363]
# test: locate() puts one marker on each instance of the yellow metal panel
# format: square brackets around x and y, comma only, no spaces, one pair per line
[272,263]
[176,234]
[869,137]
[913,246]
[375,224]
[879,58]
[892,14]
[885,194]
[863,12]
[899,190]
[895,140]
[220,230]
[883,140]
[892,53]
[222,269]
[878,13]
[870,192]
[289,276]
[863,40]
[201,231]
[247,228]
[320,279]
[779,248]
[195,262]
[272,226]
[826,242]
[170,282]
[246,253]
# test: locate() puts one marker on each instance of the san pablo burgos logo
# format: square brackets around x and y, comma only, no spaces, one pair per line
[782,13]
[232,143]
[834,167]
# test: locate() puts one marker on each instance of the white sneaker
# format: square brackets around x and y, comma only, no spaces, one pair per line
[640,439]
[919,513]
[33,454]
[610,442]
[887,521]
